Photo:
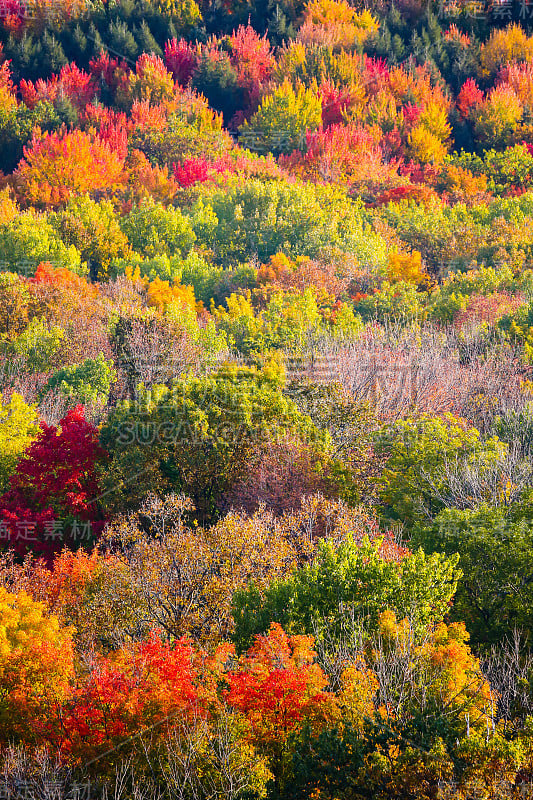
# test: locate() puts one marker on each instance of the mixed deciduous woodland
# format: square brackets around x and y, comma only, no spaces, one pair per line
[266,399]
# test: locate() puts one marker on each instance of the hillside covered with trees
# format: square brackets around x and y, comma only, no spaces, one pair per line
[266,400]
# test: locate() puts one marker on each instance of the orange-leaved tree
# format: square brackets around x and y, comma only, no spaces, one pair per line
[57,166]
[147,685]
[406,267]
[280,688]
[36,666]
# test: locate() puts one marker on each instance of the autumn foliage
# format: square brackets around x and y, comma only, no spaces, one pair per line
[58,166]
[266,381]
[55,482]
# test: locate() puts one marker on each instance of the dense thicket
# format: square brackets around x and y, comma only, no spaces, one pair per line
[266,421]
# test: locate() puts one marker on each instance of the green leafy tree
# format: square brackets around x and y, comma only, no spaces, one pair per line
[259,219]
[497,117]
[213,282]
[162,267]
[93,229]
[185,136]
[495,548]
[16,128]
[89,382]
[29,240]
[420,454]
[40,345]
[287,321]
[154,230]
[513,167]
[518,327]
[196,437]
[399,301]
[349,578]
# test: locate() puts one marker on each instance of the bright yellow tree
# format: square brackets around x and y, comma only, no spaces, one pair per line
[36,665]
[18,427]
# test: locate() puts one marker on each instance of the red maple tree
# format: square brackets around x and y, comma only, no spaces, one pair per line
[54,482]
